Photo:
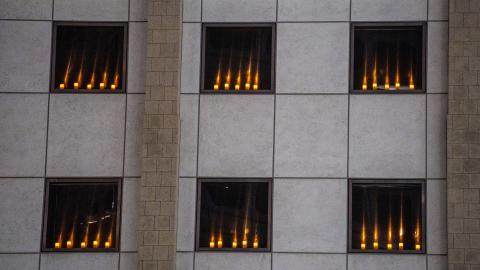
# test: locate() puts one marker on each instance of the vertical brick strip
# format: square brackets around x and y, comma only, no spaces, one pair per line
[463,140]
[157,197]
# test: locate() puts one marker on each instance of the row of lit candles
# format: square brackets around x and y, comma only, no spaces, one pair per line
[219,243]
[386,86]
[95,244]
[363,246]
[89,86]
[411,84]
[226,86]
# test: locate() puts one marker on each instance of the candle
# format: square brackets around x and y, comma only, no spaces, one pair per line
[363,246]
[95,243]
[75,85]
[418,247]
[255,244]
[83,245]
[102,85]
[244,244]
[247,86]
[374,86]
[412,86]
[255,87]
[387,86]
[400,245]
[364,87]
[227,86]
[107,244]
[397,85]
[389,246]
[234,244]
[215,87]
[57,245]
[89,86]
[69,244]
[237,87]
[375,245]
[113,86]
[62,86]
[219,243]
[212,244]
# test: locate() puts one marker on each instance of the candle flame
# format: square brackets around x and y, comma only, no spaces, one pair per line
[365,81]
[400,233]
[227,80]
[397,77]
[212,241]
[374,75]
[387,79]
[249,73]
[411,83]
[363,244]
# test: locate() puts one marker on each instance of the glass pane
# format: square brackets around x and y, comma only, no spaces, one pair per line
[386,217]
[238,58]
[234,215]
[82,215]
[388,58]
[89,57]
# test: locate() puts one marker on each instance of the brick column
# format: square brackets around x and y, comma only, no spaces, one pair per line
[464,136]
[157,197]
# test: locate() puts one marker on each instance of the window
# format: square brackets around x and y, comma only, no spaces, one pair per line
[234,214]
[89,57]
[387,216]
[81,215]
[238,58]
[388,57]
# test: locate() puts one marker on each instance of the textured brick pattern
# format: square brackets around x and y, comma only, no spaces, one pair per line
[464,136]
[156,227]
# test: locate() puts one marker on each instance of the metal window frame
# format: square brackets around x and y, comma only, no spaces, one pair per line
[55,25]
[200,181]
[353,27]
[420,181]
[81,180]
[270,91]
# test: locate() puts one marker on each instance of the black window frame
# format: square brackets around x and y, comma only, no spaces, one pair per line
[123,89]
[272,89]
[82,180]
[422,182]
[353,26]
[269,181]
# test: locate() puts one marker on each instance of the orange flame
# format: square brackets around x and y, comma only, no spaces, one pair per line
[234,242]
[400,236]
[363,244]
[417,233]
[411,83]
[227,80]
[387,80]
[374,84]
[389,244]
[364,83]
[249,73]
[397,77]
[212,241]
[216,86]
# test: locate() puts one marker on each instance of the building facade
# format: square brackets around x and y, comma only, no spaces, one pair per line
[205,134]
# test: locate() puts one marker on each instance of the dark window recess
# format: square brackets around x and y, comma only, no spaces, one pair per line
[234,215]
[82,216]
[238,59]
[388,58]
[89,58]
[387,217]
